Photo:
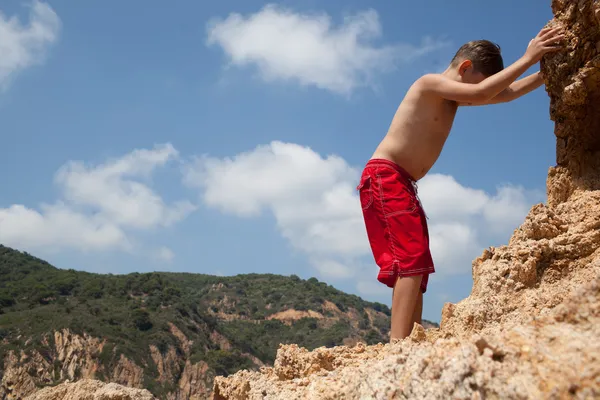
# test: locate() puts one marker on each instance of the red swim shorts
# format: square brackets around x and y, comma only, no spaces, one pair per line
[395,221]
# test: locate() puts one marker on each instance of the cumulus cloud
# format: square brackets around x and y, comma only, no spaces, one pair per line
[311,197]
[333,269]
[316,208]
[165,254]
[58,226]
[99,207]
[22,46]
[124,201]
[308,49]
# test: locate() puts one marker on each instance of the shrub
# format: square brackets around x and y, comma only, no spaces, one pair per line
[6,300]
[227,362]
[141,320]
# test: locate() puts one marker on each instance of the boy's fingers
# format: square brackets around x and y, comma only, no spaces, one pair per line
[550,31]
[544,30]
[553,39]
[552,49]
[551,34]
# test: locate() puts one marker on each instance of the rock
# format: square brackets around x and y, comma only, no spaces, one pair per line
[418,333]
[76,357]
[544,358]
[573,83]
[88,389]
[530,327]
[76,354]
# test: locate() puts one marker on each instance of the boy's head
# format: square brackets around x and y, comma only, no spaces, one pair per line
[477,60]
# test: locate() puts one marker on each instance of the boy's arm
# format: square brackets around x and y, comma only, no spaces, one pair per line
[484,91]
[513,91]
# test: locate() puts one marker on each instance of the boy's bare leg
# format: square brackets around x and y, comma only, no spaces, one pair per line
[417,315]
[404,300]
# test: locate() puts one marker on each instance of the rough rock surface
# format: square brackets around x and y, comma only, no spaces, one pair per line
[554,356]
[88,389]
[573,83]
[23,373]
[530,327]
[74,357]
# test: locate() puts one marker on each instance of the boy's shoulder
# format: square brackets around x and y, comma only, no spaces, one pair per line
[430,78]
[426,84]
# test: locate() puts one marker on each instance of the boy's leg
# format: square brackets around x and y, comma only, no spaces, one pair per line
[397,230]
[404,301]
[417,315]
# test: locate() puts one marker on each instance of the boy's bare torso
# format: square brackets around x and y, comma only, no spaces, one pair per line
[418,132]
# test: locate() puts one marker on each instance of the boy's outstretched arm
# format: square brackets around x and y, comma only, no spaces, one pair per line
[513,91]
[546,41]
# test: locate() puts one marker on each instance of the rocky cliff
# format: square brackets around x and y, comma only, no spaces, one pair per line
[72,357]
[530,327]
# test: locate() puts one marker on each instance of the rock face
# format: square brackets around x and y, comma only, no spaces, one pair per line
[555,356]
[573,83]
[77,354]
[88,389]
[72,357]
[530,328]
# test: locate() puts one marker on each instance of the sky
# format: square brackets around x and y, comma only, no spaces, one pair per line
[228,137]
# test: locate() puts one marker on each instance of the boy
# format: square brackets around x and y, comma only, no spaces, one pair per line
[394,219]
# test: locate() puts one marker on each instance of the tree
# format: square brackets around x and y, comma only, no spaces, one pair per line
[6,300]
[141,320]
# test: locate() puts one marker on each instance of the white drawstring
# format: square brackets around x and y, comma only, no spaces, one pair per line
[416,188]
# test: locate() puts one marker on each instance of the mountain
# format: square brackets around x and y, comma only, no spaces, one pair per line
[171,333]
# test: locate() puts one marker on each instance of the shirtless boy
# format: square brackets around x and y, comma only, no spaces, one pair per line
[394,218]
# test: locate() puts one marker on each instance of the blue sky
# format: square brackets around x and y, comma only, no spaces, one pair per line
[226,137]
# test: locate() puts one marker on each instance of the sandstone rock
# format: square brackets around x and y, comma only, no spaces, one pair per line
[552,253]
[530,327]
[555,356]
[88,389]
[573,83]
[76,357]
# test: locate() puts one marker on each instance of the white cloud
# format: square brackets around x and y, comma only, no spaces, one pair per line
[446,199]
[24,46]
[58,226]
[99,207]
[370,287]
[449,244]
[504,211]
[123,201]
[333,269]
[311,197]
[165,254]
[316,207]
[306,48]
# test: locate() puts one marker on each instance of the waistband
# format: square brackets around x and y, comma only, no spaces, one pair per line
[382,162]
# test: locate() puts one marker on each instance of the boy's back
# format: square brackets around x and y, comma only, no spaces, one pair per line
[395,222]
[418,131]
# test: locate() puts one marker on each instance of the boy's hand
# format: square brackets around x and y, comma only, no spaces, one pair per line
[546,41]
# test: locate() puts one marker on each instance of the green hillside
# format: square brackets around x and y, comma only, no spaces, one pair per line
[133,311]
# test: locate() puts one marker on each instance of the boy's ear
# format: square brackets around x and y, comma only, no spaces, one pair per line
[464,66]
